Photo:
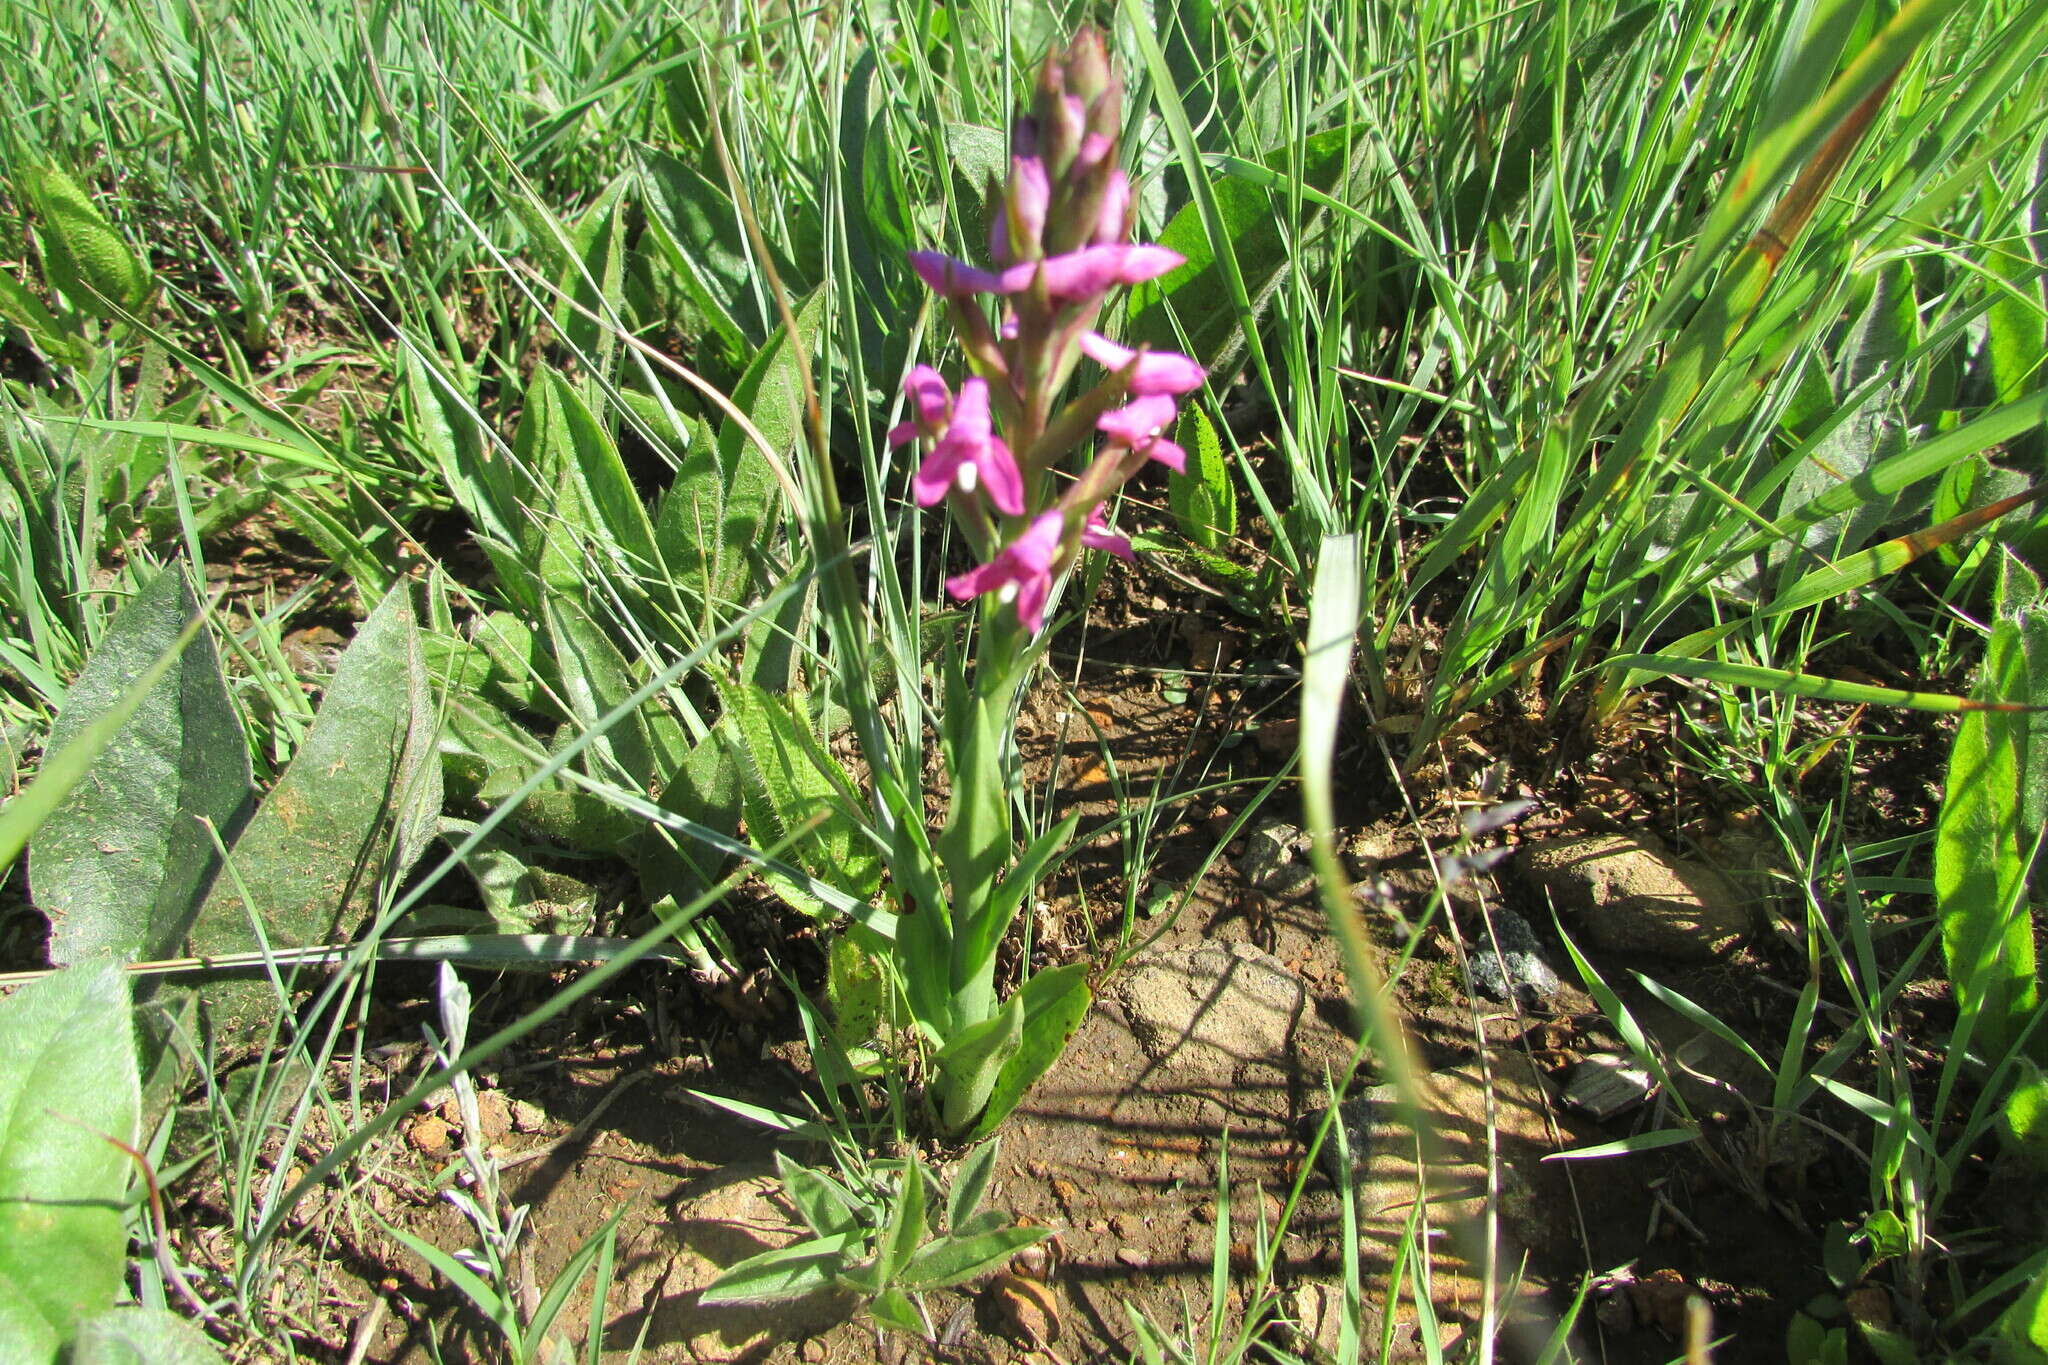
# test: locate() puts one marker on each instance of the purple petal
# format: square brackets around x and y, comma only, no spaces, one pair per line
[1001,478]
[1031,595]
[1030,194]
[1092,270]
[936,475]
[903,433]
[1039,546]
[1139,422]
[1113,219]
[1096,535]
[1168,454]
[953,278]
[1094,148]
[930,400]
[970,414]
[1157,372]
[976,581]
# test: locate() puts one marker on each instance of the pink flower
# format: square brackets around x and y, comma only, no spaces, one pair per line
[969,456]
[1113,219]
[1138,424]
[1021,572]
[1022,221]
[1158,371]
[931,405]
[1091,271]
[1096,535]
[954,278]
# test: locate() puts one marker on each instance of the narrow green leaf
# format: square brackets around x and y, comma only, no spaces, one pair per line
[1639,1142]
[1796,684]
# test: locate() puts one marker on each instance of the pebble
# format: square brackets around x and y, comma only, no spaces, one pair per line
[1270,860]
[430,1135]
[1626,896]
[1517,972]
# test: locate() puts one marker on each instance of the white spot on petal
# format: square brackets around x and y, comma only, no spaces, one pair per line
[968,477]
[1006,594]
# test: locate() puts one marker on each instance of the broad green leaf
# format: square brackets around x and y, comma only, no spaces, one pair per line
[595,679]
[589,513]
[1875,430]
[1053,1003]
[907,1224]
[696,227]
[444,421]
[970,1182]
[1203,502]
[785,1273]
[721,513]
[603,483]
[2023,1120]
[893,1309]
[592,283]
[821,1201]
[857,985]
[706,787]
[68,1092]
[134,1335]
[86,259]
[120,866]
[2020,1335]
[955,1260]
[792,784]
[29,313]
[1982,846]
[357,804]
[2016,327]
[972,1060]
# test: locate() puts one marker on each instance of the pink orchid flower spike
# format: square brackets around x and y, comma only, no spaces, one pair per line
[1096,535]
[1020,573]
[971,457]
[1137,424]
[931,407]
[1158,372]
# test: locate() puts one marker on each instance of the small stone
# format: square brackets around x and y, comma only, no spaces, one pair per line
[1517,972]
[1622,895]
[494,1115]
[1270,862]
[815,1350]
[1360,1116]
[1212,1009]
[1023,1310]
[431,1136]
[528,1117]
[1132,1257]
[1607,1084]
